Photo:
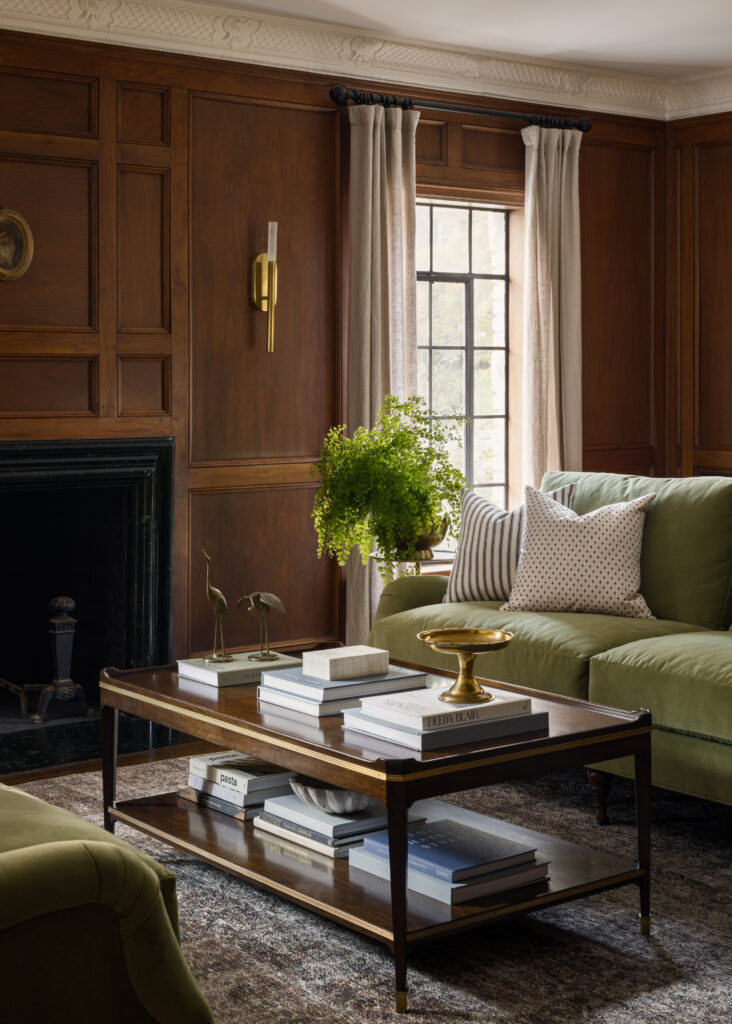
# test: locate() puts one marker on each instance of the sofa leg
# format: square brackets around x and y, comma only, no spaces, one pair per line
[599,788]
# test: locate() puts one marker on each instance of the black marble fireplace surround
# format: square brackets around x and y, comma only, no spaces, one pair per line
[91,519]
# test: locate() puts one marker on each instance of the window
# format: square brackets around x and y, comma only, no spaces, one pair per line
[462,332]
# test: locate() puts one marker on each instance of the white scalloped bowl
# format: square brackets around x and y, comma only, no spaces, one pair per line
[328,798]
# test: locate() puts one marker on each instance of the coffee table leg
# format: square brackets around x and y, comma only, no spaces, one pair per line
[643,826]
[109,762]
[397,823]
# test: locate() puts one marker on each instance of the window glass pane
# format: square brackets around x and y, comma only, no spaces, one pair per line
[489,312]
[448,313]
[423,312]
[423,238]
[450,240]
[489,383]
[489,242]
[448,382]
[489,439]
[456,449]
[495,494]
[423,373]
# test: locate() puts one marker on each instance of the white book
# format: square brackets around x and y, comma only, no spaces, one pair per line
[295,681]
[314,708]
[345,662]
[239,772]
[356,720]
[232,673]
[423,709]
[292,808]
[453,892]
[310,844]
[236,796]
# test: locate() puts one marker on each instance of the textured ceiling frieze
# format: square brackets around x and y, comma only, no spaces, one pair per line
[220,32]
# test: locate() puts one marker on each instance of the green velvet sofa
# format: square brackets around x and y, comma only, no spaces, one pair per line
[679,664]
[88,925]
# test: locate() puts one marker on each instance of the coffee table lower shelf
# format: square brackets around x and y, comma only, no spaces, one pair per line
[350,896]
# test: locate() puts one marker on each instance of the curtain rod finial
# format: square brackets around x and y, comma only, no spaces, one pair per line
[584,124]
[339,95]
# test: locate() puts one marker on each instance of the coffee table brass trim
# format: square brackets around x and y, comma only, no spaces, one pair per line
[645,924]
[295,894]
[400,1001]
[467,644]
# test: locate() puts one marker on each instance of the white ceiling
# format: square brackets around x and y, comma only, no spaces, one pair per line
[662,38]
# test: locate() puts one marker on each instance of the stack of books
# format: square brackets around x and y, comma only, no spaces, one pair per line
[230,673]
[330,681]
[421,721]
[233,783]
[334,835]
[453,862]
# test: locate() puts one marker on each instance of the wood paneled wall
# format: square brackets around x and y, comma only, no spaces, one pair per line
[699,296]
[149,181]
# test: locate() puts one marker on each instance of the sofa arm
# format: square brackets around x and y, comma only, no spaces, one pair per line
[410,592]
[48,879]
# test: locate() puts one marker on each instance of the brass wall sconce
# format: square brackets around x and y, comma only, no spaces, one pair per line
[264,282]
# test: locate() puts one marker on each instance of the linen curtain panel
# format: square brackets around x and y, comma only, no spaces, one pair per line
[552,349]
[382,304]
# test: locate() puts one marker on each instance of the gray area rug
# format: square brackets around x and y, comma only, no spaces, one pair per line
[260,960]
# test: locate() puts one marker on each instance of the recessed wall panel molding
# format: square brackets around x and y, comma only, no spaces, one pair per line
[431,142]
[35,386]
[143,385]
[143,249]
[143,114]
[58,200]
[48,103]
[492,148]
[713,298]
[259,539]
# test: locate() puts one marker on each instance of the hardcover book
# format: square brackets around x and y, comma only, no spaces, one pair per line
[356,720]
[453,892]
[336,852]
[295,681]
[345,662]
[453,851]
[292,809]
[231,673]
[423,709]
[295,830]
[238,771]
[236,796]
[315,708]
[214,803]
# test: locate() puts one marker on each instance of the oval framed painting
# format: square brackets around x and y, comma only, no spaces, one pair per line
[16,245]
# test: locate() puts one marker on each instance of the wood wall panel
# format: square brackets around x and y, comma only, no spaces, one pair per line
[143,114]
[143,272]
[259,539]
[713,253]
[247,403]
[50,104]
[431,142]
[492,148]
[48,386]
[144,386]
[58,199]
[618,324]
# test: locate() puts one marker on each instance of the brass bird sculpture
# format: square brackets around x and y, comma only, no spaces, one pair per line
[259,604]
[218,602]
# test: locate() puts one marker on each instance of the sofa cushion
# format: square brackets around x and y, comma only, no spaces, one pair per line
[686,561]
[588,563]
[685,682]
[28,821]
[549,651]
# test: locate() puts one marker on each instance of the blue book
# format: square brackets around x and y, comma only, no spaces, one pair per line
[454,852]
[294,681]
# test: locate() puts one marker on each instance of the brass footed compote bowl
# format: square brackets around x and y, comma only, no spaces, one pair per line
[466,643]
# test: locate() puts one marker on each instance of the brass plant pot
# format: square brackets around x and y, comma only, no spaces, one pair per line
[421,550]
[466,643]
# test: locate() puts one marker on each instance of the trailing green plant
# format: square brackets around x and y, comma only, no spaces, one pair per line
[386,486]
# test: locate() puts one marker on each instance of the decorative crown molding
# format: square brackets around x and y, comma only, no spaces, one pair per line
[225,33]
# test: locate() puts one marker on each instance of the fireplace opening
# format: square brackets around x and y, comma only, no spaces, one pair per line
[92,521]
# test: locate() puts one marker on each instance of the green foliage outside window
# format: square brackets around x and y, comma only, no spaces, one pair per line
[387,486]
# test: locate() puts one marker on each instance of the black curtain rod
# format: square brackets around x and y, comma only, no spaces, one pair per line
[340,95]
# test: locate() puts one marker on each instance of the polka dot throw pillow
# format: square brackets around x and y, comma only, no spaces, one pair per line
[589,563]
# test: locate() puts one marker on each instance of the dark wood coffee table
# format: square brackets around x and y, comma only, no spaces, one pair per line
[579,733]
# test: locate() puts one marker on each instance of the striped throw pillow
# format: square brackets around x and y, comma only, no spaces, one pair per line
[489,547]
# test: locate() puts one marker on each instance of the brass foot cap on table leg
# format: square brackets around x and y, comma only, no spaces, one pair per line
[400,1000]
[645,923]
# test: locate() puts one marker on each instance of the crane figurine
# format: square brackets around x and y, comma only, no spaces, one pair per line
[259,604]
[218,602]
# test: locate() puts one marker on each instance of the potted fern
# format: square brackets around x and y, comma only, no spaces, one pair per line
[391,488]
